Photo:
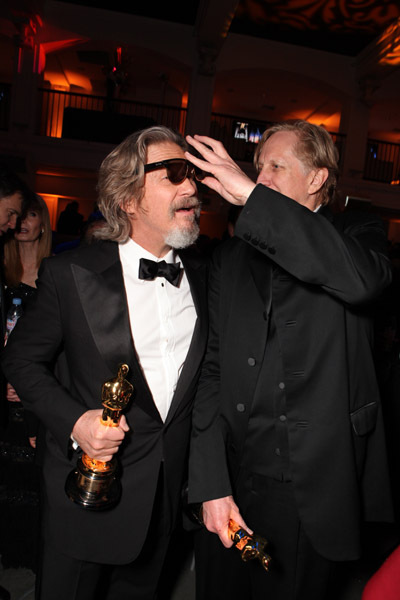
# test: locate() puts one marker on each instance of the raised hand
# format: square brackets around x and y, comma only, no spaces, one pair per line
[228,180]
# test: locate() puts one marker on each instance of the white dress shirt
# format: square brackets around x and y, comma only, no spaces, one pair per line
[162,319]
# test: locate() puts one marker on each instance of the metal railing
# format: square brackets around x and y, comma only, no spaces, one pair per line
[101,119]
[5,104]
[382,162]
[98,118]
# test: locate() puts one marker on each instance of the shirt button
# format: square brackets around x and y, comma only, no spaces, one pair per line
[278,451]
[281,386]
[282,418]
[240,407]
[251,361]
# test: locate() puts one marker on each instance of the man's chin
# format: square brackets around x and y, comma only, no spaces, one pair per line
[183,237]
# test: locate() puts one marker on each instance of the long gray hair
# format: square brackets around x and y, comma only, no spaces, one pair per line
[121,179]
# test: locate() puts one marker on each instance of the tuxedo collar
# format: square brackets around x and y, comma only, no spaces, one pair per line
[99,280]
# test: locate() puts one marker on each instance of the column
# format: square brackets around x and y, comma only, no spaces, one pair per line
[28,64]
[201,92]
[354,122]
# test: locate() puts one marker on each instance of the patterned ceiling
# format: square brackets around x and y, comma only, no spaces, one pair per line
[340,26]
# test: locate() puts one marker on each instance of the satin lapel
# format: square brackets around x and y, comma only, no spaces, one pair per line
[197,277]
[103,299]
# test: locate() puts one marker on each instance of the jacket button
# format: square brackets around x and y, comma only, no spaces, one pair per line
[240,407]
[255,241]
[281,385]
[247,236]
[282,418]
[263,246]
[251,361]
[272,250]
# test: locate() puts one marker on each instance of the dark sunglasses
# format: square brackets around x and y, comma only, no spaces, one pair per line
[177,169]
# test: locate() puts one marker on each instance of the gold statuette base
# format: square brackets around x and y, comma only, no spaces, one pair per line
[93,489]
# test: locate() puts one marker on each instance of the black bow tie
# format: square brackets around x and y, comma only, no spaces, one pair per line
[149,269]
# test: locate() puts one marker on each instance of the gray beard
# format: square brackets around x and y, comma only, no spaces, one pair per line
[182,238]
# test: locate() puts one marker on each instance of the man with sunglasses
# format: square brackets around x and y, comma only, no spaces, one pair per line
[287,424]
[134,296]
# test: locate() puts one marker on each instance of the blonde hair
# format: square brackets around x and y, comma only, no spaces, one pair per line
[121,179]
[13,270]
[314,148]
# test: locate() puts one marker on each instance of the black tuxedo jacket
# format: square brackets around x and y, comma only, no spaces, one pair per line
[318,273]
[79,324]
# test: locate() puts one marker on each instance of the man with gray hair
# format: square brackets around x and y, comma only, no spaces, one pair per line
[134,296]
[287,424]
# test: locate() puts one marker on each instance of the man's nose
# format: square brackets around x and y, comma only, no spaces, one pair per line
[188,187]
[264,177]
[12,221]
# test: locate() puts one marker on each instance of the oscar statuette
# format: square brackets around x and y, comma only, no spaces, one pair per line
[250,545]
[94,484]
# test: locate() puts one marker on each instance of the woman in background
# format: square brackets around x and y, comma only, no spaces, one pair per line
[23,253]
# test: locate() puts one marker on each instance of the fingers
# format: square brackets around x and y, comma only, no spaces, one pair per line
[96,440]
[238,519]
[217,514]
[32,441]
[228,180]
[12,395]
[208,147]
[123,424]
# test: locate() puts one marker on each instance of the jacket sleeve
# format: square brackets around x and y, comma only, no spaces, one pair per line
[208,471]
[29,358]
[345,256]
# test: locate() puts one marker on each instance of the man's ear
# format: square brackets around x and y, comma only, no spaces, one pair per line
[318,178]
[130,207]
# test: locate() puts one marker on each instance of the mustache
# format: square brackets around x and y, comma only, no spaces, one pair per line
[187,204]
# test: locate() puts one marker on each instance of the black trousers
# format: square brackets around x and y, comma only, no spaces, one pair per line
[297,572]
[63,577]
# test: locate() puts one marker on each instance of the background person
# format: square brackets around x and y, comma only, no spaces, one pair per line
[70,221]
[12,191]
[23,253]
[287,425]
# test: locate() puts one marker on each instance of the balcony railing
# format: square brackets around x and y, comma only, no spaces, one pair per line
[382,162]
[99,119]
[5,102]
